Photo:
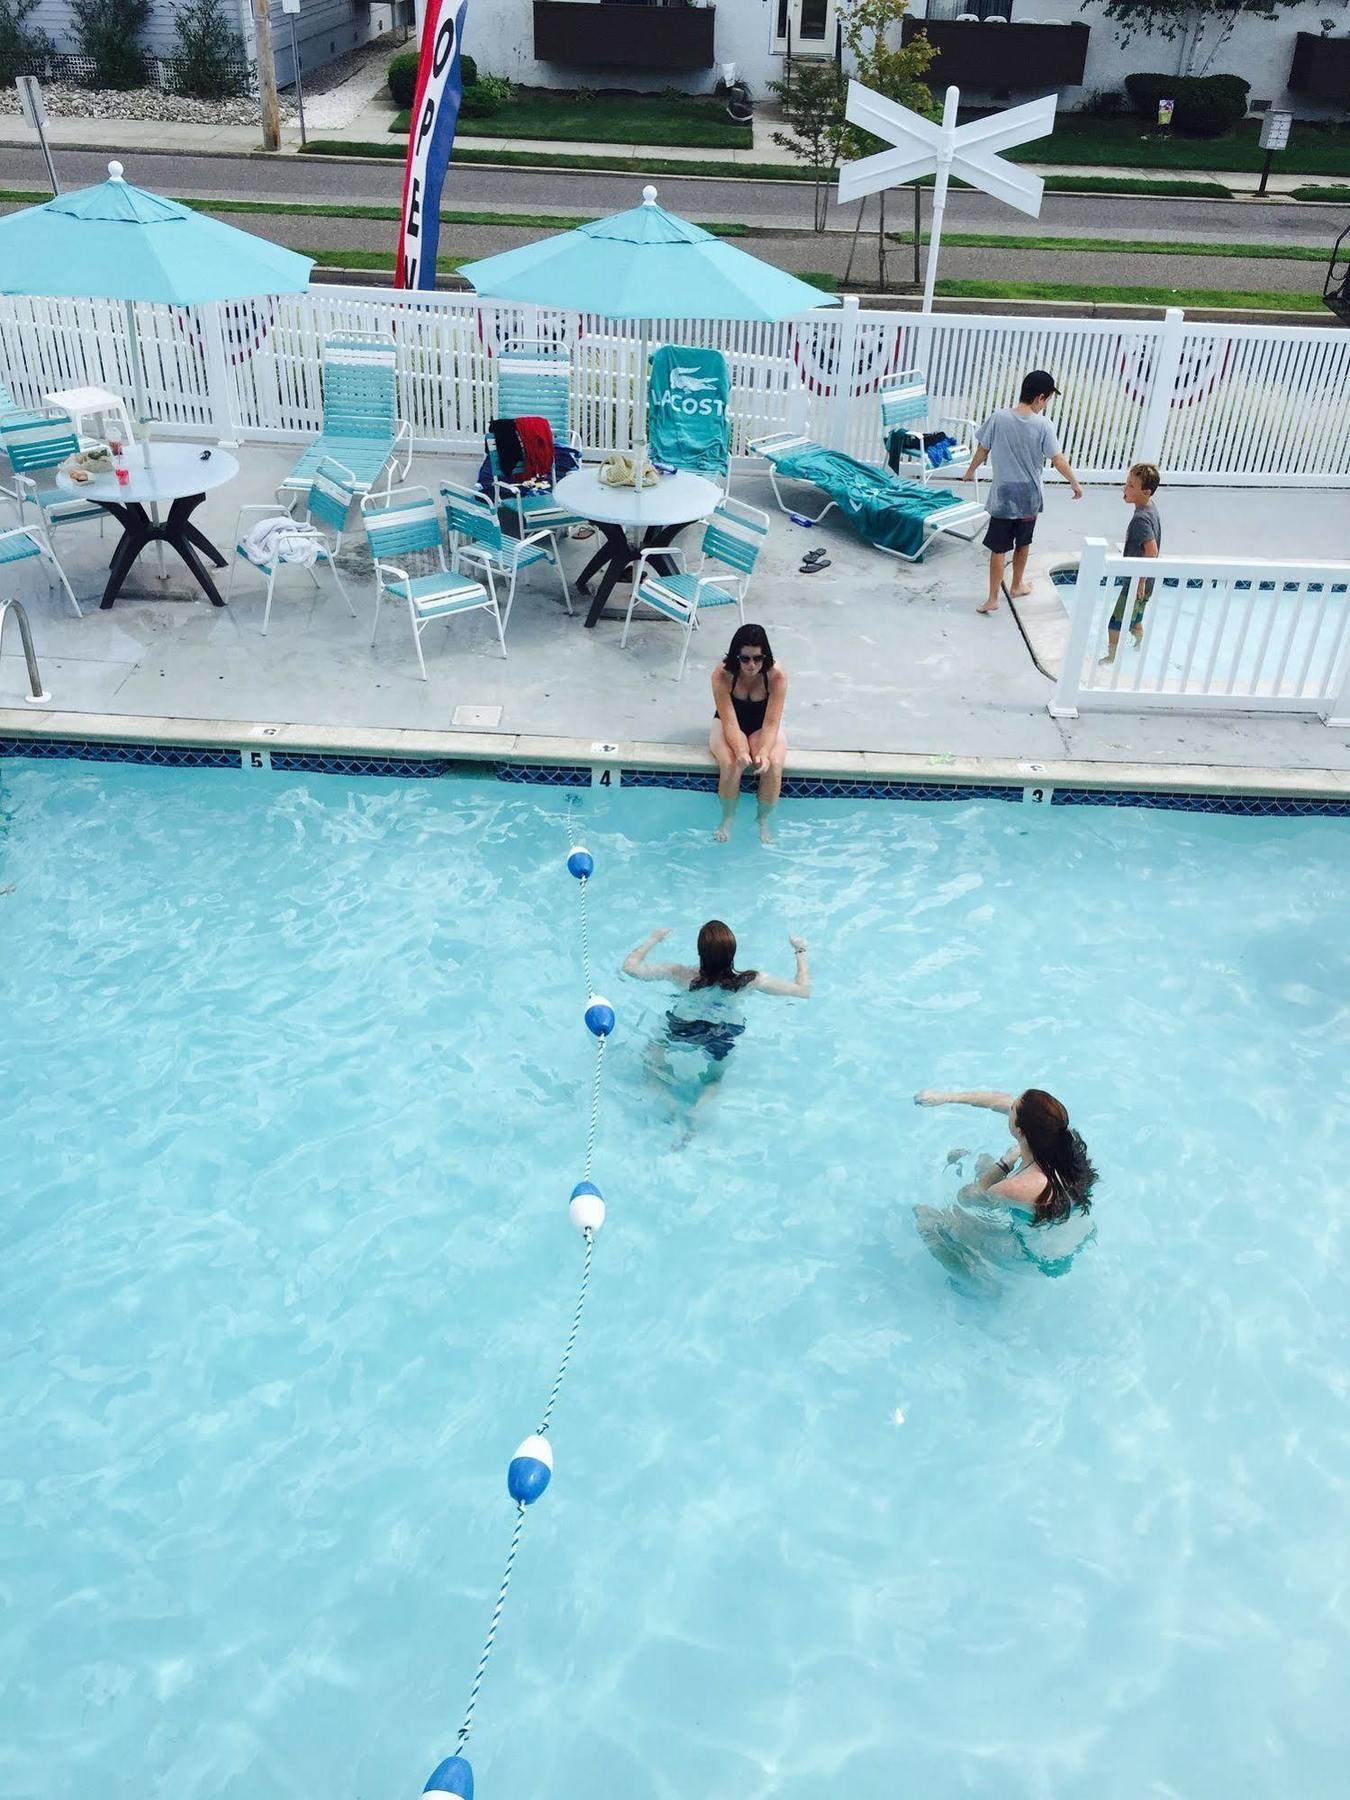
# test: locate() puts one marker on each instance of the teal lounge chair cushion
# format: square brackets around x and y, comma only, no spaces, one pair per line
[885,509]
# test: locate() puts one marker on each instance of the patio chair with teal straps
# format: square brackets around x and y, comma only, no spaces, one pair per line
[23,543]
[732,541]
[37,443]
[361,427]
[477,538]
[404,525]
[905,410]
[534,380]
[331,493]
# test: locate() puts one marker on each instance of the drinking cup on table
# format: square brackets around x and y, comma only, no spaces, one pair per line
[122,472]
[115,446]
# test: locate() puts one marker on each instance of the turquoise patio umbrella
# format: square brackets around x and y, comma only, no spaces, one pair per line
[118,242]
[644,264]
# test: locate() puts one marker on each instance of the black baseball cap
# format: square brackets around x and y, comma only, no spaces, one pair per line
[1040,381]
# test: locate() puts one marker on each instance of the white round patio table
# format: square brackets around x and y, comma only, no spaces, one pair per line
[182,474]
[652,514]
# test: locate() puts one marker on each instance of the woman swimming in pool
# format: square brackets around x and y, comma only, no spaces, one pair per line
[709,1015]
[1043,1179]
[749,689]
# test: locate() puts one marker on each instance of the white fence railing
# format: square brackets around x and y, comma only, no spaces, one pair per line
[1219,635]
[1232,404]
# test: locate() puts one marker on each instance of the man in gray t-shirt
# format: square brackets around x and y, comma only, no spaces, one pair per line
[1017,442]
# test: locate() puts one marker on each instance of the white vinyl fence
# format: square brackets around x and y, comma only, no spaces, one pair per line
[1234,404]
[1219,635]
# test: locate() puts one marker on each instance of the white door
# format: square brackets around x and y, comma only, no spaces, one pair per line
[804,27]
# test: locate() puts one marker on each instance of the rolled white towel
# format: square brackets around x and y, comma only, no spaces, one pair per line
[282,539]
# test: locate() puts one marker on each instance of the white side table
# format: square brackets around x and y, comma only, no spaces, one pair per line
[93,403]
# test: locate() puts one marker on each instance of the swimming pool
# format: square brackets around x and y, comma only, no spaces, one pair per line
[296,1080]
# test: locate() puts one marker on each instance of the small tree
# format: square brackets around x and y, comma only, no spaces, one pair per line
[894,70]
[108,32]
[21,45]
[813,95]
[208,59]
[1198,23]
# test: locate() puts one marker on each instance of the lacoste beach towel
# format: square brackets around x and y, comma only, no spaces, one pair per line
[688,425]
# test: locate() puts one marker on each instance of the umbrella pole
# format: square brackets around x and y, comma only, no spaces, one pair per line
[142,403]
[640,391]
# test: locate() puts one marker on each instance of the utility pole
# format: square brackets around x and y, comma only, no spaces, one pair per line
[267,76]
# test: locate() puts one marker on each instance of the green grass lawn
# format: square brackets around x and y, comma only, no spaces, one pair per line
[1312,192]
[690,122]
[993,240]
[1130,296]
[1130,143]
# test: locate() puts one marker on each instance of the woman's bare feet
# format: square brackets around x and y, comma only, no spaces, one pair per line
[990,606]
[723,832]
[1020,591]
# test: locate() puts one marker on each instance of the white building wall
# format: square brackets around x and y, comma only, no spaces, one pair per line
[1259,50]
[500,35]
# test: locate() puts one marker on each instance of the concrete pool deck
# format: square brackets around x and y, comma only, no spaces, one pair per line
[893,672]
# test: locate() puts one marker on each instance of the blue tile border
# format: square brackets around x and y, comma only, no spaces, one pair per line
[578,775]
[826,787]
[1267,806]
[544,774]
[165,756]
[405,768]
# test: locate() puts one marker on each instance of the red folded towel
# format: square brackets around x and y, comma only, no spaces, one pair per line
[536,441]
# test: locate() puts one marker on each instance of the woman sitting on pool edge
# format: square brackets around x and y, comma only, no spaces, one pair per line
[747,732]
[709,1015]
[1043,1179]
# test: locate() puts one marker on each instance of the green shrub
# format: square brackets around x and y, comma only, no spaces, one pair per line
[23,48]
[208,59]
[485,97]
[108,32]
[403,76]
[1206,105]
[1207,116]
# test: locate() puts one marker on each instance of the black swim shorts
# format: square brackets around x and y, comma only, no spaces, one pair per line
[1009,534]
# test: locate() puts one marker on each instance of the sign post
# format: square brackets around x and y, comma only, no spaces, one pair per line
[292,9]
[1274,136]
[921,147]
[35,114]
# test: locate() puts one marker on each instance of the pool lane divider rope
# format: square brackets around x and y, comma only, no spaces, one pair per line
[531,1468]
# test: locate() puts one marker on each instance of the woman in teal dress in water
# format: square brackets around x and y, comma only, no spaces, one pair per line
[1029,1205]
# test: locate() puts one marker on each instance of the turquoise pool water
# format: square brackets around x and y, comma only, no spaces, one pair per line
[295,1085]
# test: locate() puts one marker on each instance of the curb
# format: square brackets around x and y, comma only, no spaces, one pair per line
[484,746]
[295,150]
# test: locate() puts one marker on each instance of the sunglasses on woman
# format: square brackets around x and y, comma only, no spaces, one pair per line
[750,656]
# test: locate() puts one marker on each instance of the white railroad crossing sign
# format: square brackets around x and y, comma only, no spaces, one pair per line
[970,152]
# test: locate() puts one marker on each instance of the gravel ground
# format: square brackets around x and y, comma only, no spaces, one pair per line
[65,102]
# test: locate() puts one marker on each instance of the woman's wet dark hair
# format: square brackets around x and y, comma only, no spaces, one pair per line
[748,637]
[717,952]
[1060,1154]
